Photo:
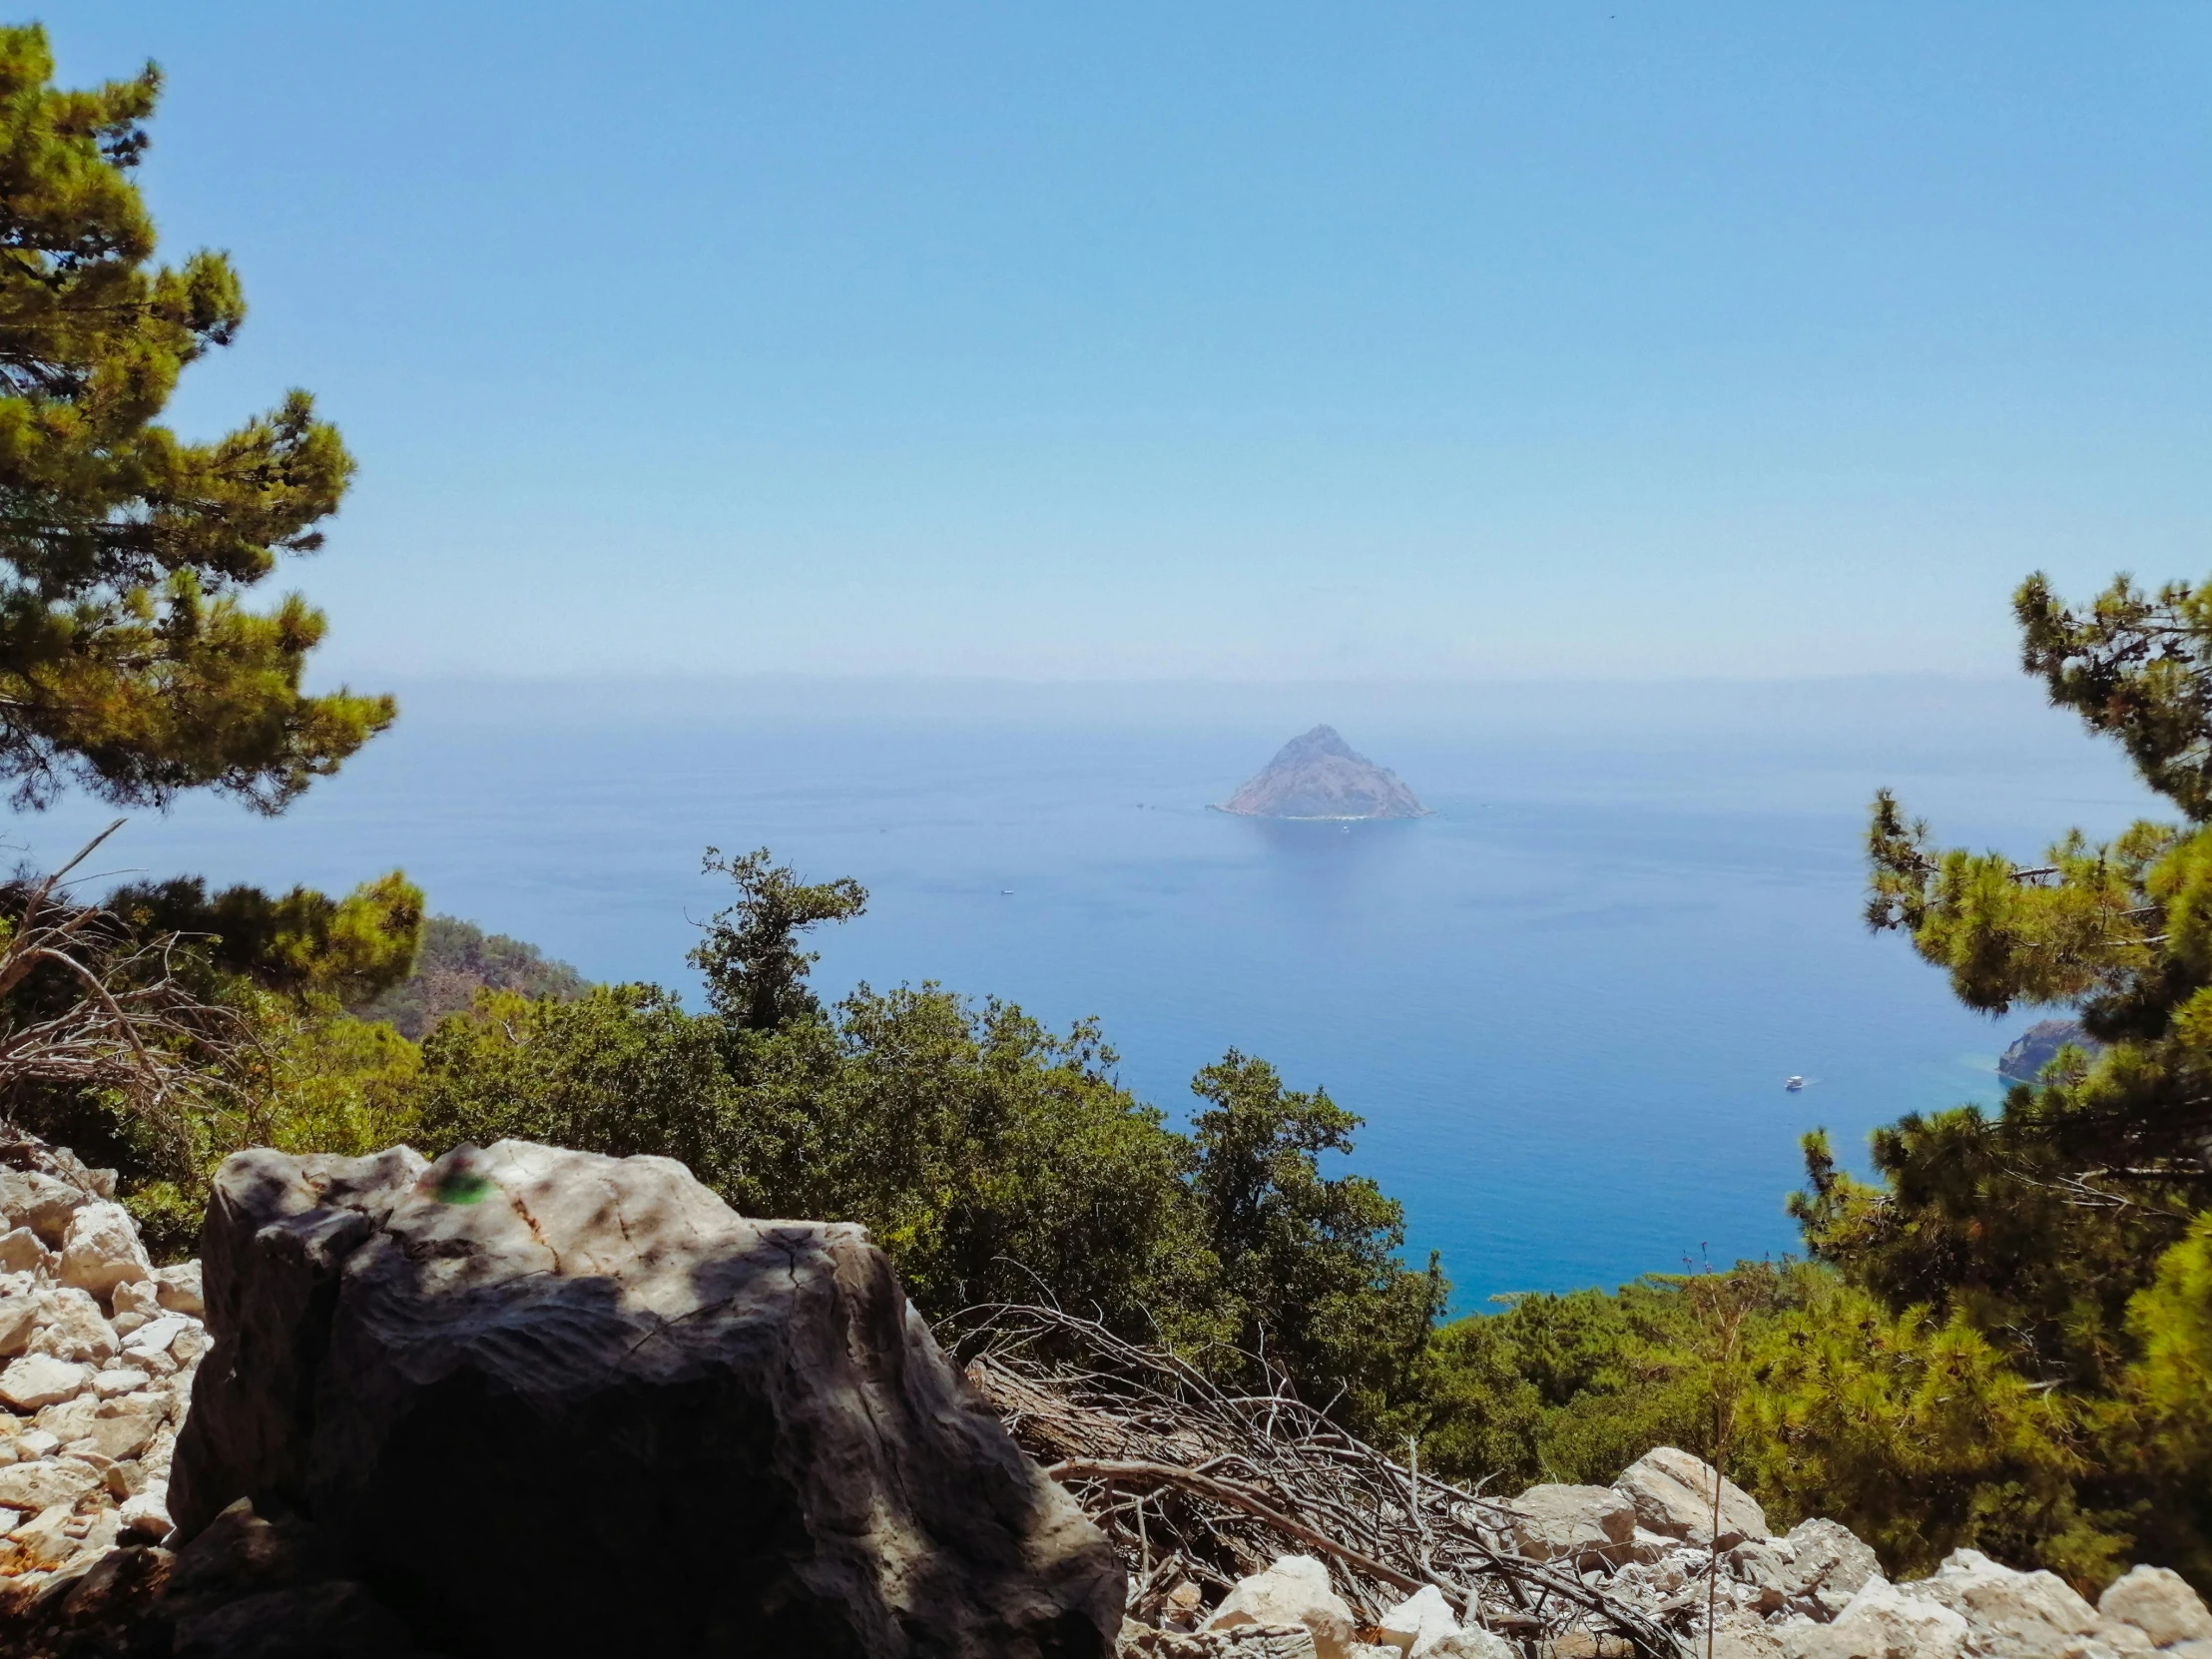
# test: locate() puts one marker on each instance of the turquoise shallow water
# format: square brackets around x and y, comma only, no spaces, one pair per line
[1565,1003]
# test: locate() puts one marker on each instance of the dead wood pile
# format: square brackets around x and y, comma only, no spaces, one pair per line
[1198,1484]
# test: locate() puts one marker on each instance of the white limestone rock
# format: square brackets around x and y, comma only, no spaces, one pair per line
[21,1252]
[1582,1524]
[109,1383]
[1670,1491]
[39,1380]
[1879,1623]
[1419,1623]
[2159,1603]
[1293,1589]
[179,1288]
[19,1305]
[43,1203]
[70,1326]
[1473,1642]
[157,1336]
[143,1517]
[117,1429]
[101,1250]
[50,1481]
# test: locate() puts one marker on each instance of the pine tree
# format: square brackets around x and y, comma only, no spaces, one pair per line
[128,661]
[2045,1225]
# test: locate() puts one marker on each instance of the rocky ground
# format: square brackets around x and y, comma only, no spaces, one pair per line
[97,1348]
[591,1287]
[1814,1593]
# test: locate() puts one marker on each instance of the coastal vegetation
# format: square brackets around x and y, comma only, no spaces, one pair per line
[2003,1341]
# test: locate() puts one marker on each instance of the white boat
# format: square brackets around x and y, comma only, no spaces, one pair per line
[1793,1084]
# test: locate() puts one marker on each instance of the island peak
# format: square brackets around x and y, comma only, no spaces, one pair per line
[1316,774]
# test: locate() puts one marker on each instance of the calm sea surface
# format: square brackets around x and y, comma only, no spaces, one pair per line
[1564,1004]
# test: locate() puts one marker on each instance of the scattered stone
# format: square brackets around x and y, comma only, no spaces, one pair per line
[1241,1641]
[1577,1523]
[101,1250]
[1293,1589]
[39,1380]
[2159,1603]
[39,1201]
[1473,1643]
[1417,1624]
[157,1336]
[108,1384]
[179,1288]
[37,1443]
[47,1482]
[21,1252]
[1879,1623]
[42,1543]
[117,1429]
[18,1321]
[1671,1491]
[144,1519]
[71,1326]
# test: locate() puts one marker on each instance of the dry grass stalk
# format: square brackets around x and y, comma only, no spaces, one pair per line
[1193,1481]
[133,1027]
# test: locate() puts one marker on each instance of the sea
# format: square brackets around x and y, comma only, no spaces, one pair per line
[1565,1003]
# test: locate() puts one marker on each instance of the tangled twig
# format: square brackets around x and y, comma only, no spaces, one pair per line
[1194,1482]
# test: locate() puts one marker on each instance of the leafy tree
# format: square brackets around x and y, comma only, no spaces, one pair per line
[1309,1262]
[128,661]
[621,1070]
[756,973]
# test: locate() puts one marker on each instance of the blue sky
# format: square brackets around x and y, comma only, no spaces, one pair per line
[1249,340]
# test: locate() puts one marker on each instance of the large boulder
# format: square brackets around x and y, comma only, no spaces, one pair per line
[1671,1492]
[552,1403]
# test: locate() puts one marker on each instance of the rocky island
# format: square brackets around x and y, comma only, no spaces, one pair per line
[1319,776]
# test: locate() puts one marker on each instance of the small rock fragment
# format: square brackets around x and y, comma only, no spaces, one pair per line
[108,1384]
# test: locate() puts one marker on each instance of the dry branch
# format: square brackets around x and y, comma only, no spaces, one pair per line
[1192,1480]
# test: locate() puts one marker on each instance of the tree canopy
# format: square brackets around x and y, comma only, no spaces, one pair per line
[129,661]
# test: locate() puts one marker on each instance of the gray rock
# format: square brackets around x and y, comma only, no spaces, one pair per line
[433,1364]
[1830,1562]
[1577,1523]
[1671,1491]
[2159,1602]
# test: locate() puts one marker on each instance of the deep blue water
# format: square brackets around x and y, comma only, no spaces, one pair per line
[1564,1004]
